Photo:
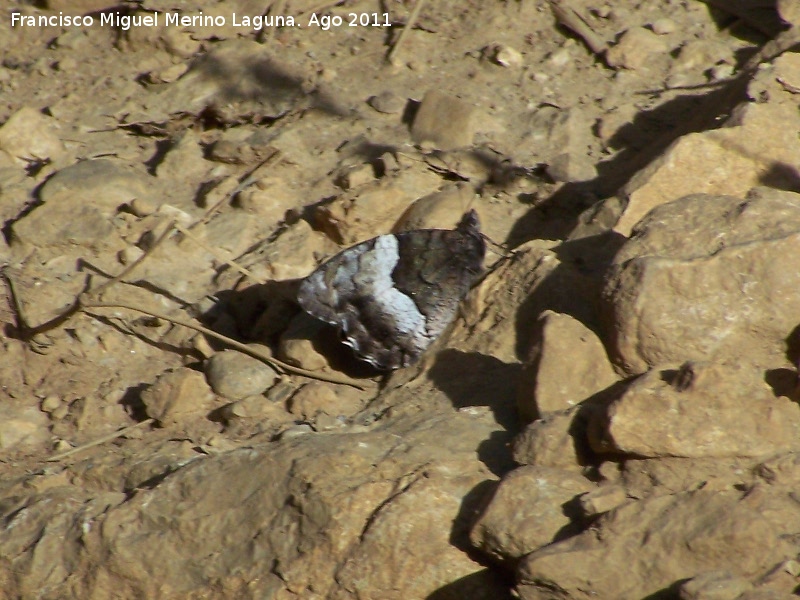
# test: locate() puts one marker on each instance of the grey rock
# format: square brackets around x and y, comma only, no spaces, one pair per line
[235,375]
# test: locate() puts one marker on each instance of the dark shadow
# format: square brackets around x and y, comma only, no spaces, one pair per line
[638,143]
[473,379]
[781,176]
[793,346]
[750,20]
[487,584]
[568,289]
[495,452]
[132,402]
[410,112]
[671,592]
[265,81]
[266,313]
[784,382]
[472,506]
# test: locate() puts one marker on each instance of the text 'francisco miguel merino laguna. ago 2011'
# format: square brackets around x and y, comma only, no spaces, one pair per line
[125,22]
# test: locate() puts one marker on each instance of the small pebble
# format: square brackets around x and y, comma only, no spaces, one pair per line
[62,446]
[51,403]
[129,255]
[142,207]
[387,102]
[505,56]
[721,71]
[235,375]
[663,26]
[60,413]
[445,121]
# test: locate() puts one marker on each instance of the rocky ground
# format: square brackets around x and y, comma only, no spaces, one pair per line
[614,414]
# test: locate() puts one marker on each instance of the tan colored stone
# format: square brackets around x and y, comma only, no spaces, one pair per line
[660,540]
[100,183]
[789,11]
[177,396]
[635,49]
[705,277]
[527,511]
[567,364]
[22,426]
[551,441]
[731,160]
[291,256]
[439,210]
[571,168]
[501,318]
[602,500]
[29,136]
[714,585]
[700,410]
[444,120]
[644,477]
[315,398]
[375,208]
[235,375]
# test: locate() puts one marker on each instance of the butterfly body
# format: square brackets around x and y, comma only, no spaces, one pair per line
[393,295]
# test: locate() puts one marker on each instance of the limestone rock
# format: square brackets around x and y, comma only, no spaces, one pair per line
[29,136]
[548,132]
[440,210]
[387,102]
[636,48]
[336,513]
[22,426]
[527,512]
[501,319]
[181,168]
[374,208]
[745,153]
[177,396]
[571,168]
[789,12]
[315,398]
[567,364]
[602,500]
[660,540]
[444,120]
[700,410]
[714,585]
[291,256]
[63,222]
[704,277]
[235,375]
[645,477]
[557,440]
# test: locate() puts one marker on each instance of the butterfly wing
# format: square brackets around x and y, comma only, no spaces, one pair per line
[393,295]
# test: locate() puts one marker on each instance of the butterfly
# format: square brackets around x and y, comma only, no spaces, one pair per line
[393,295]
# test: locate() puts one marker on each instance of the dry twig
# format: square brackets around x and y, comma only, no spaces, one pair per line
[412,19]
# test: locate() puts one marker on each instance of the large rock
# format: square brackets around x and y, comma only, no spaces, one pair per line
[527,511]
[661,541]
[29,136]
[698,411]
[704,278]
[567,364]
[376,514]
[757,145]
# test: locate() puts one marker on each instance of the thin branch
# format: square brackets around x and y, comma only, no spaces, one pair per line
[250,351]
[102,440]
[412,19]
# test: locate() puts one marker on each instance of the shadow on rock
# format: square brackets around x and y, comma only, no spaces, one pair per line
[481,585]
[473,379]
